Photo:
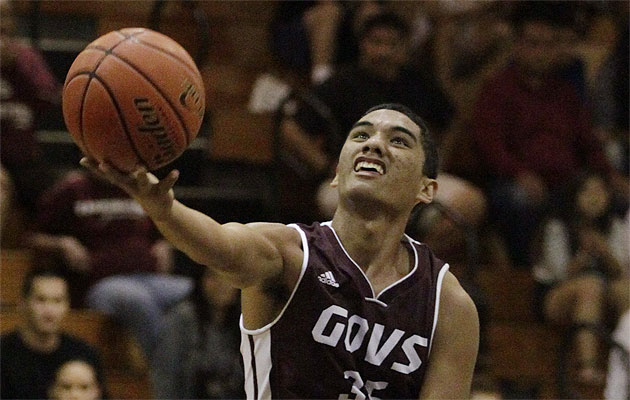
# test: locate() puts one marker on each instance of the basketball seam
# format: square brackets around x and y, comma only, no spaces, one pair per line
[161,50]
[91,75]
[105,50]
[159,90]
[122,120]
[83,97]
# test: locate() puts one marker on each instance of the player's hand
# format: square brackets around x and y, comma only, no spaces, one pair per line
[154,195]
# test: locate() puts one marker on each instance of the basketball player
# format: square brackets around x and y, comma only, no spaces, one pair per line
[351,308]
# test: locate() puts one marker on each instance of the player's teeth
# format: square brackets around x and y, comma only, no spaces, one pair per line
[369,165]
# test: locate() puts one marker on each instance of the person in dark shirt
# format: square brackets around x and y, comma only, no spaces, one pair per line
[314,126]
[197,355]
[317,36]
[113,250]
[29,91]
[532,131]
[32,354]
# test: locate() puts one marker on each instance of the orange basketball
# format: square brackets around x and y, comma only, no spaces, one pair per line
[133,97]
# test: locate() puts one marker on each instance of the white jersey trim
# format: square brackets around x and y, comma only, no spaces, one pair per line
[257,365]
[374,297]
[438,291]
[304,265]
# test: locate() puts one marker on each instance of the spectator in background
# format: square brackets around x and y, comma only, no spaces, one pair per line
[75,380]
[118,259]
[197,355]
[584,267]
[609,99]
[32,353]
[314,37]
[27,91]
[462,43]
[532,130]
[380,75]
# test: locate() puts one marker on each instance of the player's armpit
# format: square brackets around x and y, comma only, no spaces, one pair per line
[244,255]
[455,345]
[264,254]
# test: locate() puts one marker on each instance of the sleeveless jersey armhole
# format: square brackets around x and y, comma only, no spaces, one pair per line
[297,285]
[438,292]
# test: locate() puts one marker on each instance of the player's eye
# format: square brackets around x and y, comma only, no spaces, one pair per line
[360,135]
[397,140]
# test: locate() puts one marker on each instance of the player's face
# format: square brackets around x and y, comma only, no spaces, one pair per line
[47,304]
[382,160]
[76,380]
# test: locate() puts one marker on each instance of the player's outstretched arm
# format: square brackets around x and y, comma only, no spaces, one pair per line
[455,345]
[241,253]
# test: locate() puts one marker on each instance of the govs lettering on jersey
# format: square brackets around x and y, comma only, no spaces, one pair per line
[374,355]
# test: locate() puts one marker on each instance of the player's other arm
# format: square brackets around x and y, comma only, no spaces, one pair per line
[245,255]
[455,345]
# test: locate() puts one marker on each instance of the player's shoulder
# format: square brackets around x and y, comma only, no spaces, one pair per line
[279,234]
[454,297]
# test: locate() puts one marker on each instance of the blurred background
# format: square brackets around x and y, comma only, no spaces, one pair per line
[269,66]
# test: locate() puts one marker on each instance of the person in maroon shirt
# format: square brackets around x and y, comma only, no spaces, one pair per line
[532,130]
[359,309]
[113,250]
[28,89]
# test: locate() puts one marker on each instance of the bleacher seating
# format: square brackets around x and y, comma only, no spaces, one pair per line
[13,267]
[521,349]
[524,352]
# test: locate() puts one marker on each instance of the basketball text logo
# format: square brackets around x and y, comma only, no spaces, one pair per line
[191,99]
[152,125]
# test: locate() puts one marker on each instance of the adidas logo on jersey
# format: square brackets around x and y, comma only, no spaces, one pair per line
[328,279]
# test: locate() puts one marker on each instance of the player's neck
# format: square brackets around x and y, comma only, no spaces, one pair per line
[369,240]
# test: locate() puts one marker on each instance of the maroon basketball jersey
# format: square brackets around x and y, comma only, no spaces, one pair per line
[335,339]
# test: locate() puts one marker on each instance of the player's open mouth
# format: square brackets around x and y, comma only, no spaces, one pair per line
[369,165]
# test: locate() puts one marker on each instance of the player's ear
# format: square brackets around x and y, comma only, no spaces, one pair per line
[428,189]
[334,182]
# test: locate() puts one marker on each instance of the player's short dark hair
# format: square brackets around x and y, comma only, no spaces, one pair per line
[45,266]
[386,19]
[431,162]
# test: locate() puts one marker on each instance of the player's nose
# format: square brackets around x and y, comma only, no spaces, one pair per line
[374,144]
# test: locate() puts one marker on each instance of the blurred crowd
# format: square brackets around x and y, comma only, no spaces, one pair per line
[528,102]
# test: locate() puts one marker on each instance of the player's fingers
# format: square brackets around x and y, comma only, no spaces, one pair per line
[95,167]
[122,179]
[141,177]
[168,182]
[90,164]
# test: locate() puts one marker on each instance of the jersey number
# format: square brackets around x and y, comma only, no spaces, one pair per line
[360,389]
